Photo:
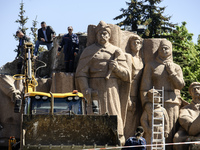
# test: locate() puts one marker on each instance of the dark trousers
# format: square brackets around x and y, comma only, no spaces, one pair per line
[69,60]
[19,66]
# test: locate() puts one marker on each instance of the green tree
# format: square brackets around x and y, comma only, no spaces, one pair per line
[148,13]
[22,19]
[186,54]
[132,15]
[155,20]
[34,29]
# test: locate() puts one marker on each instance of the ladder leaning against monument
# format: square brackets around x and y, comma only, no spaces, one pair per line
[157,138]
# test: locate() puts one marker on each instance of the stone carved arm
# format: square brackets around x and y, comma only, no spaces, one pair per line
[166,122]
[8,88]
[119,70]
[176,75]
[185,119]
[194,127]
[144,122]
[146,84]
[84,87]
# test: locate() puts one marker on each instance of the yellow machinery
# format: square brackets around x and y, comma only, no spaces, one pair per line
[59,120]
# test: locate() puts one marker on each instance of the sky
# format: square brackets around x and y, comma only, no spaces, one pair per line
[80,13]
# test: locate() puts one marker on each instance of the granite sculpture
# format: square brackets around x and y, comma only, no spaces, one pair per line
[135,63]
[117,68]
[189,120]
[164,72]
[146,118]
[103,71]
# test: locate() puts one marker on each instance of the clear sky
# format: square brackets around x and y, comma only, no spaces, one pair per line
[80,13]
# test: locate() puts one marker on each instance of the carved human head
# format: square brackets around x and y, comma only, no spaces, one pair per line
[165,49]
[194,89]
[103,32]
[153,94]
[135,43]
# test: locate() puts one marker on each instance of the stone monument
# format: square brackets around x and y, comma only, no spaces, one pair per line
[164,72]
[103,71]
[189,120]
[146,118]
[135,62]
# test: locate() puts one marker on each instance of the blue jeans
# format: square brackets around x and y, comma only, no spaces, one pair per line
[38,43]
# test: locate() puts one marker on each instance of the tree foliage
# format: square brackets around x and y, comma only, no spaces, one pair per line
[186,54]
[148,13]
[133,15]
[34,29]
[22,19]
[155,20]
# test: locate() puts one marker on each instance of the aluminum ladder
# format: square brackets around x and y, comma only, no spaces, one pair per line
[158,138]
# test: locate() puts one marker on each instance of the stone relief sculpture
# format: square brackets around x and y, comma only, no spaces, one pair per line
[9,121]
[111,70]
[135,62]
[189,119]
[164,72]
[146,119]
[103,71]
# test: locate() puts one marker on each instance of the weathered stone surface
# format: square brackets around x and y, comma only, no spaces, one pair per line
[9,121]
[103,69]
[44,85]
[162,71]
[189,120]
[9,68]
[135,62]
[146,118]
[126,77]
[62,82]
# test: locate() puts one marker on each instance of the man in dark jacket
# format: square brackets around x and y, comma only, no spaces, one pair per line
[138,141]
[70,42]
[20,52]
[45,37]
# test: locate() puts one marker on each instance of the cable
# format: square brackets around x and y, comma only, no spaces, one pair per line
[44,65]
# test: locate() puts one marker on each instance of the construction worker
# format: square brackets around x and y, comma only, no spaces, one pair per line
[45,37]
[136,140]
[70,42]
[20,52]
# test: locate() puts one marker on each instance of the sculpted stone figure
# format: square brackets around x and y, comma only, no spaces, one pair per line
[10,90]
[189,119]
[136,65]
[103,74]
[164,72]
[146,119]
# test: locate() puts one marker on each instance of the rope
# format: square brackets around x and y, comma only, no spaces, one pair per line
[119,147]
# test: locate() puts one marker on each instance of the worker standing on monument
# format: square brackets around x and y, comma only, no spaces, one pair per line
[45,37]
[70,42]
[20,52]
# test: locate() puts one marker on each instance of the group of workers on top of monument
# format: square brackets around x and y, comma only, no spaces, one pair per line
[45,36]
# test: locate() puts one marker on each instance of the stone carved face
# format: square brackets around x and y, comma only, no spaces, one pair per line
[135,44]
[165,51]
[195,91]
[156,94]
[103,36]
